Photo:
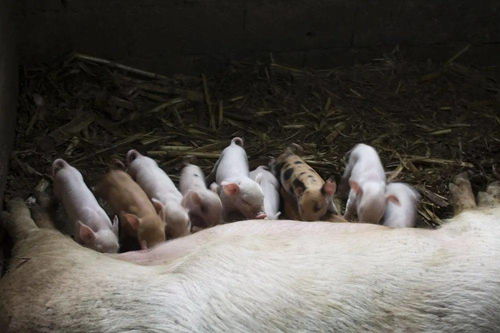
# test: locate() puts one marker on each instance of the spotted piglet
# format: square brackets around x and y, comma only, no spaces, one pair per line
[310,194]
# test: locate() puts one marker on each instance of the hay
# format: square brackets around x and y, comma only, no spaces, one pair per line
[427,121]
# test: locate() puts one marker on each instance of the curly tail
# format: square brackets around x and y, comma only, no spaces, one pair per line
[117,164]
[57,165]
[188,159]
[238,141]
[132,155]
[295,148]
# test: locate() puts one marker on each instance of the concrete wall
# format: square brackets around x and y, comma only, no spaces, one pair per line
[196,35]
[8,88]
[8,98]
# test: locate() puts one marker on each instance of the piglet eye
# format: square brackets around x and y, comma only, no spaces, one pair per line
[317,207]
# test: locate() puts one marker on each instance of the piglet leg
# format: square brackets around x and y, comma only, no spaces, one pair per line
[462,197]
[42,211]
[350,207]
[289,205]
[490,198]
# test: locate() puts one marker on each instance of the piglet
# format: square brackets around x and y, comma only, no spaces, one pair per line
[366,178]
[309,197]
[270,186]
[93,227]
[138,217]
[401,209]
[237,191]
[203,205]
[162,191]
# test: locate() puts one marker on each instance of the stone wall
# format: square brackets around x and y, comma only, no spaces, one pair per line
[200,35]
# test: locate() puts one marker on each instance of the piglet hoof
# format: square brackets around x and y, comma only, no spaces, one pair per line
[195,229]
[43,199]
[18,221]
[261,216]
[462,197]
[490,198]
[296,148]
[42,212]
[18,208]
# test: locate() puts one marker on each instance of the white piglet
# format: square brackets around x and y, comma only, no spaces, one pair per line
[270,186]
[237,191]
[204,206]
[366,178]
[162,191]
[93,228]
[401,209]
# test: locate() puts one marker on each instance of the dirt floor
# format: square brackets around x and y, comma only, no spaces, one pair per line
[428,121]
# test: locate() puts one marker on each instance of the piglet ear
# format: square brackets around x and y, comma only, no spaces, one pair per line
[230,189]
[115,224]
[299,190]
[87,235]
[214,188]
[258,178]
[159,207]
[133,220]
[329,187]
[355,187]
[194,197]
[394,199]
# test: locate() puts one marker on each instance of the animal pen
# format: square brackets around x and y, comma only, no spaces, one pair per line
[88,80]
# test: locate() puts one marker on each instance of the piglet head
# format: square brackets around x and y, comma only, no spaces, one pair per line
[104,240]
[205,208]
[150,229]
[176,219]
[370,200]
[247,196]
[312,203]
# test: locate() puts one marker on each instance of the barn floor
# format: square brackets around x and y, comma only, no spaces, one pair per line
[428,121]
